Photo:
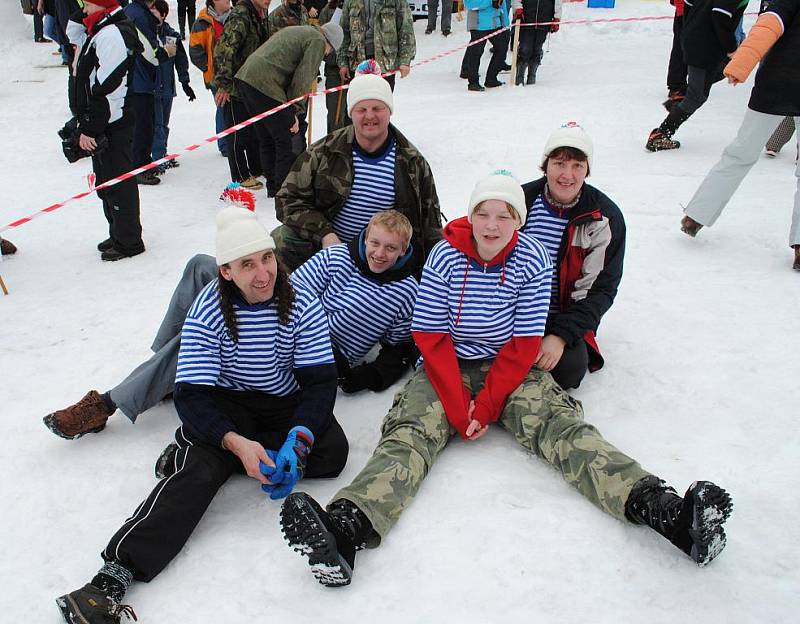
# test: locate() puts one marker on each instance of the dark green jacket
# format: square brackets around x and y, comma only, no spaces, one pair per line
[286,66]
[320,180]
[393,34]
[245,30]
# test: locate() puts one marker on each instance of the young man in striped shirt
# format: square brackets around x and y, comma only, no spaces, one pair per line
[478,321]
[584,234]
[367,290]
[337,184]
[255,389]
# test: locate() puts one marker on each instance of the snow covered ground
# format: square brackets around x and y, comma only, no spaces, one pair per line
[701,381]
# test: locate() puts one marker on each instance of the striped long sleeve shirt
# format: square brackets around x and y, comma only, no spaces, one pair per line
[483,307]
[361,311]
[267,351]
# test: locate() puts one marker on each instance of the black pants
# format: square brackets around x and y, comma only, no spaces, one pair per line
[274,138]
[699,83]
[121,201]
[38,24]
[144,113]
[572,366]
[162,523]
[472,55]
[531,45]
[186,10]
[677,69]
[243,159]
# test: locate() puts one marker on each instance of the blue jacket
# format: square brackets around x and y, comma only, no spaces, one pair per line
[145,69]
[165,78]
[482,15]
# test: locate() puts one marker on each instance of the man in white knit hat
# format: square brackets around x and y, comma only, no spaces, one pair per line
[255,390]
[584,232]
[340,182]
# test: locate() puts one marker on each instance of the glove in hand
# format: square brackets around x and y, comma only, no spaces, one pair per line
[290,463]
[188,91]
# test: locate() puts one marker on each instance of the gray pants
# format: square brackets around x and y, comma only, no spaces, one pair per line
[152,380]
[447,10]
[737,159]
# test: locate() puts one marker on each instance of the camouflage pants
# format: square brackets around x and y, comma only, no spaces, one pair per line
[539,414]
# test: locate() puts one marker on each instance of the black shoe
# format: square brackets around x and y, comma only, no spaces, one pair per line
[105,245]
[505,67]
[692,523]
[658,141]
[165,464]
[90,605]
[329,539]
[113,254]
[445,33]
[7,248]
[474,86]
[428,31]
[491,84]
[148,177]
[171,164]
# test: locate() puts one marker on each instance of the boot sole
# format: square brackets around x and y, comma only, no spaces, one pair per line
[711,508]
[50,422]
[69,610]
[305,532]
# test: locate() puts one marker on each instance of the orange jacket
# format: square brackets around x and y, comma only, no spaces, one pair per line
[203,38]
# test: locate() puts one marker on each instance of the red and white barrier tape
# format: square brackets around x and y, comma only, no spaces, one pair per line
[260,116]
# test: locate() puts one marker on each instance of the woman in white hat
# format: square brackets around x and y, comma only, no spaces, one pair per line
[478,321]
[255,390]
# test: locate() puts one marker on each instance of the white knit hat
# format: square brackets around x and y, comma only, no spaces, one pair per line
[369,87]
[570,134]
[500,185]
[240,234]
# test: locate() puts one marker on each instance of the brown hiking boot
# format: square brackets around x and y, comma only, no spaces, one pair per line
[658,141]
[252,184]
[7,248]
[690,226]
[89,415]
[796,265]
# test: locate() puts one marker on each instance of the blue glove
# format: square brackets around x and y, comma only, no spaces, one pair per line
[290,463]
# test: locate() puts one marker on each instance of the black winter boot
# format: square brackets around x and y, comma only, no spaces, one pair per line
[165,464]
[329,538]
[520,79]
[692,523]
[661,138]
[532,69]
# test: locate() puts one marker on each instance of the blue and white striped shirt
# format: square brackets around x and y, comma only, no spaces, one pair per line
[372,191]
[491,304]
[266,352]
[547,226]
[360,310]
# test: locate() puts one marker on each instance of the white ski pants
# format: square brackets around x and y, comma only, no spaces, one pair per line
[737,159]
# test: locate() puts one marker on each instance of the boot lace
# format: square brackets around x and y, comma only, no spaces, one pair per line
[118,610]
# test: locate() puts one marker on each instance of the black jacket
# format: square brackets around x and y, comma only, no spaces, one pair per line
[103,82]
[588,267]
[709,31]
[777,84]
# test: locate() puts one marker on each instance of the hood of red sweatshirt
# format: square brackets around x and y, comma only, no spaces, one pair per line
[459,234]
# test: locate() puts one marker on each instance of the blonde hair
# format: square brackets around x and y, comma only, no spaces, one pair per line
[394,222]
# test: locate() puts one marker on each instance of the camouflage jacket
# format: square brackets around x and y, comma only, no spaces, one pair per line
[286,15]
[286,66]
[393,33]
[320,180]
[245,30]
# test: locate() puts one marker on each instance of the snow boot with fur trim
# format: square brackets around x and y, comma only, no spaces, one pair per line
[692,523]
